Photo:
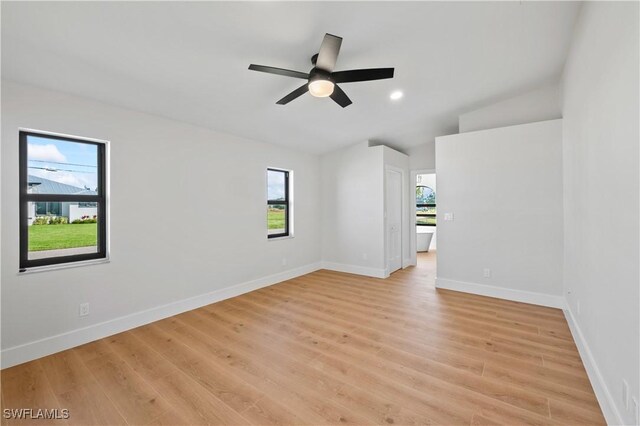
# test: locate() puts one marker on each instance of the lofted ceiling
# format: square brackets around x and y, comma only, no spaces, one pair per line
[188,61]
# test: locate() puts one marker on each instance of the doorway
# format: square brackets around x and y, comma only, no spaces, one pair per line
[393,202]
[425,216]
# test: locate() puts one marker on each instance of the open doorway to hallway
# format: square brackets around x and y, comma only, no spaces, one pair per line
[426,225]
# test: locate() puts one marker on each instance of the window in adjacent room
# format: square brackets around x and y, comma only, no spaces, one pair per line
[278,203]
[62,200]
[425,206]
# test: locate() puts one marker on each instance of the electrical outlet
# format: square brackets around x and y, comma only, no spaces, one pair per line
[448,217]
[364,256]
[486,273]
[578,306]
[84,310]
[625,394]
[284,261]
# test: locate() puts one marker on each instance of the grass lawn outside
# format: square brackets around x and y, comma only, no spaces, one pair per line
[275,219]
[53,237]
[422,220]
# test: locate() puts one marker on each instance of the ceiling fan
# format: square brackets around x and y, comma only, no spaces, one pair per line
[322,80]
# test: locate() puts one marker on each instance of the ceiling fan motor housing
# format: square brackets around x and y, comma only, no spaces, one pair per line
[318,74]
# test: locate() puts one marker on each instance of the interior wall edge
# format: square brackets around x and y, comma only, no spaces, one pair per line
[50,345]
[599,385]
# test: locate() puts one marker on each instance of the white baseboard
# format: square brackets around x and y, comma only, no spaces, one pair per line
[50,345]
[605,399]
[355,269]
[533,298]
[408,262]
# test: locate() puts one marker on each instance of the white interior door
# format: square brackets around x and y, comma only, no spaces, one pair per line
[393,199]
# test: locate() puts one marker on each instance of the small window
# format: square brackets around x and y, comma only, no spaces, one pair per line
[62,200]
[278,203]
[425,206]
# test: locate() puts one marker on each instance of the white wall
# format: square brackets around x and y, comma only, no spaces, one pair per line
[601,199]
[422,156]
[352,209]
[354,237]
[187,211]
[537,105]
[504,187]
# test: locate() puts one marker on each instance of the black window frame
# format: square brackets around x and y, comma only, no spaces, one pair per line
[418,205]
[26,197]
[285,202]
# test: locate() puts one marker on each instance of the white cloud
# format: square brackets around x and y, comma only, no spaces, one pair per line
[47,152]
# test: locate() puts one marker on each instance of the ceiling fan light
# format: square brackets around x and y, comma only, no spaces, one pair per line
[321,88]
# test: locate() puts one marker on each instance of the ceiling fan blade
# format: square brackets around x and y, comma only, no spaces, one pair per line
[296,93]
[279,71]
[328,54]
[340,97]
[352,76]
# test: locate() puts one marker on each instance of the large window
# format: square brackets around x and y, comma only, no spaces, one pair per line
[425,206]
[278,203]
[62,200]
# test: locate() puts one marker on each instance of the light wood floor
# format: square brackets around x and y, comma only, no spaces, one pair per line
[326,348]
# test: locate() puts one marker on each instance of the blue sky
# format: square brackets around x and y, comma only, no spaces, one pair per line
[275,185]
[70,163]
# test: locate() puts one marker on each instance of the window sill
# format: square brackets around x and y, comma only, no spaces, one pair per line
[286,237]
[37,269]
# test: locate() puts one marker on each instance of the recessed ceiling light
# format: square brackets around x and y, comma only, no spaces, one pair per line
[396,95]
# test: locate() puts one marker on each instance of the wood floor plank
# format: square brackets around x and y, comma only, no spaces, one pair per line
[78,391]
[290,404]
[509,394]
[148,364]
[581,397]
[413,379]
[135,399]
[386,305]
[433,340]
[356,370]
[26,387]
[324,348]
[325,386]
[385,319]
[89,405]
[570,415]
[3,419]
[235,393]
[193,404]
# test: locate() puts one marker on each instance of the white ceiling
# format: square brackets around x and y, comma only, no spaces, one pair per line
[188,61]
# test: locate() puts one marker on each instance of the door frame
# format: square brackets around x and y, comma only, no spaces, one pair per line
[412,209]
[404,223]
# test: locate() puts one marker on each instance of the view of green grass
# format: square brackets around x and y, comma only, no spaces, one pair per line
[425,220]
[425,215]
[275,219]
[51,237]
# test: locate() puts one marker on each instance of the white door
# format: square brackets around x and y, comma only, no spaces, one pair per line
[393,199]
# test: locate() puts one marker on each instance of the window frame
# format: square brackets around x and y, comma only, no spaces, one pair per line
[286,203]
[419,205]
[25,198]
